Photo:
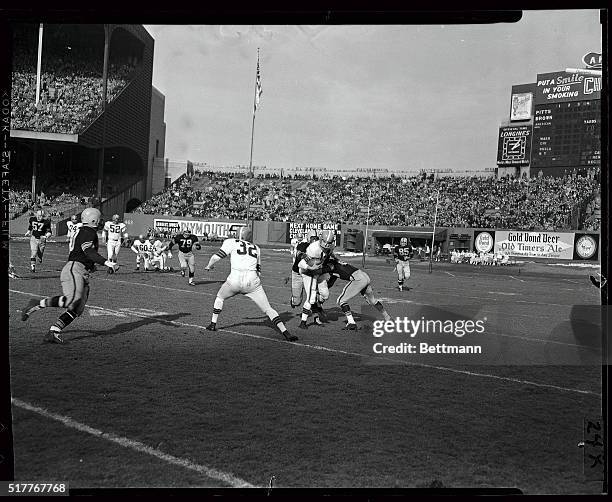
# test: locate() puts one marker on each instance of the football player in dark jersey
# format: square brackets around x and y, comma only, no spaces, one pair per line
[185,242]
[39,230]
[358,283]
[402,254]
[74,277]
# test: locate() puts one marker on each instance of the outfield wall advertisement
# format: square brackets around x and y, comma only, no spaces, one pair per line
[525,244]
[196,227]
[298,230]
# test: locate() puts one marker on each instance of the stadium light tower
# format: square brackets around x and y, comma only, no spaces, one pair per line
[107,32]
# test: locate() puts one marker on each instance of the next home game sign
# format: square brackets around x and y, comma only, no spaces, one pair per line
[299,230]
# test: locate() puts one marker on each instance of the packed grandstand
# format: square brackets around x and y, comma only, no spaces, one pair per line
[541,203]
[70,87]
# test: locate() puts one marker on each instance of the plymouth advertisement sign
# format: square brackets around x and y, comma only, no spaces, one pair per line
[196,227]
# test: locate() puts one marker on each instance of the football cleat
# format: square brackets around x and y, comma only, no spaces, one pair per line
[303,325]
[351,326]
[289,337]
[318,321]
[212,326]
[13,275]
[29,309]
[191,283]
[182,273]
[400,288]
[53,337]
[137,269]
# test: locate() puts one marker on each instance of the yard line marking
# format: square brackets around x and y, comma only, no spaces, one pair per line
[512,277]
[340,351]
[449,273]
[570,280]
[502,293]
[225,477]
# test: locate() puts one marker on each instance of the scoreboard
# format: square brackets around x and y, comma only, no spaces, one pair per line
[567,134]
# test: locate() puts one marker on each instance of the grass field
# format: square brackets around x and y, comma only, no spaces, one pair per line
[140,395]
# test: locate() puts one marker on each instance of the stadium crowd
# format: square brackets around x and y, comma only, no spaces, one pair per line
[71,90]
[542,203]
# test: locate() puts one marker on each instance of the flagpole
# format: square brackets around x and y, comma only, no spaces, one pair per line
[252,135]
[39,62]
[433,233]
[365,240]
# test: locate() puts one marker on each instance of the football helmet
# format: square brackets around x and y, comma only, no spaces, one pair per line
[245,234]
[186,232]
[115,218]
[403,241]
[312,236]
[74,218]
[40,214]
[90,217]
[328,239]
[141,238]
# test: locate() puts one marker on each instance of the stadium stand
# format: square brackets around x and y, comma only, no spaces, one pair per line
[71,86]
[543,203]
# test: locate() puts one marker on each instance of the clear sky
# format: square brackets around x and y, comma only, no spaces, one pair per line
[399,97]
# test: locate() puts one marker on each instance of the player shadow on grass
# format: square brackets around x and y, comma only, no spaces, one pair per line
[126,327]
[264,321]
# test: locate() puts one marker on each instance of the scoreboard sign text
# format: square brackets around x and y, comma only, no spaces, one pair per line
[198,228]
[514,145]
[561,86]
[299,230]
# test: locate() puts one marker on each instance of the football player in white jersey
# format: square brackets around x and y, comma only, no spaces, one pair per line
[245,261]
[294,242]
[142,248]
[310,269]
[73,225]
[114,233]
[158,258]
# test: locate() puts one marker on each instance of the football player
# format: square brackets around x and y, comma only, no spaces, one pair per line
[359,283]
[310,269]
[297,284]
[39,230]
[245,262]
[74,278]
[158,259]
[402,254]
[185,242]
[294,244]
[11,272]
[141,247]
[114,235]
[73,225]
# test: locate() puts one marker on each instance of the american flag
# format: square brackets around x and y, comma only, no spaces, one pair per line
[258,90]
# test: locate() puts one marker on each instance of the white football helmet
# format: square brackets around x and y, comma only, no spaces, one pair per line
[115,218]
[90,217]
[328,239]
[141,238]
[403,241]
[245,234]
[312,236]
[74,218]
[40,214]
